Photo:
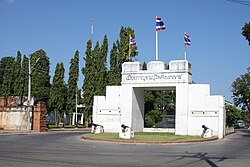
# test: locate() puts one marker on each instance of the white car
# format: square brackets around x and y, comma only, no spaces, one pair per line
[240,124]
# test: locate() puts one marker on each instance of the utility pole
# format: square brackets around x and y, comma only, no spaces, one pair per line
[28,102]
[29,95]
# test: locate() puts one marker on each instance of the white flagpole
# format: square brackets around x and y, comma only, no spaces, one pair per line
[185,53]
[156,45]
[129,49]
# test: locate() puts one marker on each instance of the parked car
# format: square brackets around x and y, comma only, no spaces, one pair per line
[240,124]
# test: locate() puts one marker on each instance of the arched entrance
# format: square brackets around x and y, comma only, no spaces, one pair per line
[159,108]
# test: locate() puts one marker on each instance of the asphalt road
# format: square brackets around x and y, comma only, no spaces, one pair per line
[54,149]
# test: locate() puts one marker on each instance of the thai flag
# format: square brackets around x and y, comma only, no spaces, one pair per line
[132,41]
[187,41]
[159,24]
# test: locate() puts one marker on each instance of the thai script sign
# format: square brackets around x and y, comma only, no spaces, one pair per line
[153,78]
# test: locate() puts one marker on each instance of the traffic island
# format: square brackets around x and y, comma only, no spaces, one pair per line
[147,138]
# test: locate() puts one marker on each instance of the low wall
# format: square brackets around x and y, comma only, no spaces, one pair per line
[13,119]
[13,115]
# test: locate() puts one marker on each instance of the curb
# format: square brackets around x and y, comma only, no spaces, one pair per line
[70,129]
[24,132]
[15,132]
[150,142]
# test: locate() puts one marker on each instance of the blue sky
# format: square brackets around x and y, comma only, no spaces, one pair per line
[218,52]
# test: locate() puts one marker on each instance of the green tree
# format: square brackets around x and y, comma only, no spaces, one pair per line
[113,73]
[72,83]
[152,118]
[123,44]
[95,70]
[58,96]
[2,71]
[23,78]
[88,87]
[149,99]
[17,91]
[233,114]
[40,84]
[158,102]
[144,66]
[7,65]
[165,102]
[101,73]
[241,91]
[95,77]
[246,32]
[123,48]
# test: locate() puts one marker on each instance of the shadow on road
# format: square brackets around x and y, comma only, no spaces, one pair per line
[201,157]
[245,133]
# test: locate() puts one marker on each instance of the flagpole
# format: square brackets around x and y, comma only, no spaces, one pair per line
[129,47]
[185,53]
[156,45]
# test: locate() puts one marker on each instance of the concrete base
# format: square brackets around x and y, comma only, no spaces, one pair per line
[97,129]
[126,133]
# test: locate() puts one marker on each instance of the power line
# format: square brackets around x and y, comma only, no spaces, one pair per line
[246,3]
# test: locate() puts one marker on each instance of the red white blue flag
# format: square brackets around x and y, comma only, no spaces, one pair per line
[132,41]
[159,24]
[187,40]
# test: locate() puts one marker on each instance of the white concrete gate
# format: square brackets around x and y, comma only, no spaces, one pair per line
[194,105]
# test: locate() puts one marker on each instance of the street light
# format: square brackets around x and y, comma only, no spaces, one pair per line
[29,95]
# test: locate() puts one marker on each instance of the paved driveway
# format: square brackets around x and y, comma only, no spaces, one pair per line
[68,149]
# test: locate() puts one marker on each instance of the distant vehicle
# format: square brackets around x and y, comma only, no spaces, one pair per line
[240,124]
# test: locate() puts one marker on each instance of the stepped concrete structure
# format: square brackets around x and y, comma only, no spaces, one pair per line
[194,105]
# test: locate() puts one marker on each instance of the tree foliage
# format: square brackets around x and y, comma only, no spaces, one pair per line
[14,76]
[123,45]
[14,73]
[152,118]
[165,102]
[246,32]
[40,84]
[23,78]
[88,87]
[113,73]
[158,102]
[102,68]
[149,98]
[95,75]
[233,114]
[57,100]
[120,53]
[7,67]
[17,87]
[72,82]
[241,91]
[144,66]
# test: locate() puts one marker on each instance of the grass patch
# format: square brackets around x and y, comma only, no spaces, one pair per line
[144,136]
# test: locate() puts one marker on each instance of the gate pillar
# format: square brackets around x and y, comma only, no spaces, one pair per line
[39,117]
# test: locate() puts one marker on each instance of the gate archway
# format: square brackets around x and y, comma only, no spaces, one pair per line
[194,106]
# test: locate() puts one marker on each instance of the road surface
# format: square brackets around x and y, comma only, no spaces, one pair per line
[54,149]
